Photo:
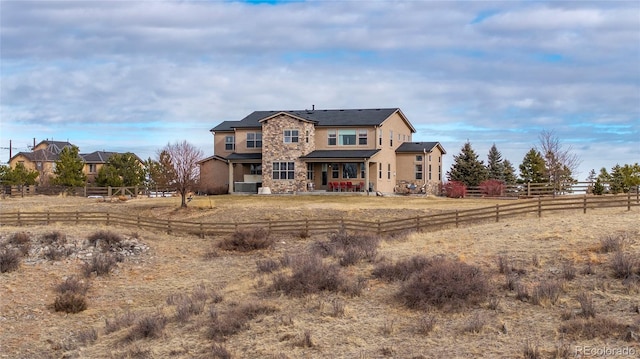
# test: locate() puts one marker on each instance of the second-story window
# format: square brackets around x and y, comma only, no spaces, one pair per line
[254,140]
[332,138]
[347,137]
[362,137]
[229,143]
[291,136]
[380,137]
[92,168]
[391,138]
[418,172]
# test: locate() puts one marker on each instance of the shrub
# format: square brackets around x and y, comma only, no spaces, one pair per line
[586,303]
[55,237]
[598,327]
[247,240]
[102,264]
[22,241]
[402,270]
[492,188]
[426,324]
[444,283]
[454,189]
[622,265]
[125,320]
[220,352]
[475,324]
[150,326]
[87,336]
[530,351]
[236,319]
[306,341]
[70,302]
[568,271]
[546,292]
[348,248]
[311,275]
[267,265]
[72,285]
[106,240]
[613,243]
[9,260]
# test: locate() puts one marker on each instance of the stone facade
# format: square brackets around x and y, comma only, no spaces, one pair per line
[274,149]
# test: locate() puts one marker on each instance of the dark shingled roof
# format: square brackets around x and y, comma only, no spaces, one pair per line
[97,156]
[322,118]
[411,147]
[328,154]
[244,156]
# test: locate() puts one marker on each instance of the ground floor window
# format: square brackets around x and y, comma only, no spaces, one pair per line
[283,170]
[362,170]
[388,170]
[349,170]
[335,170]
[255,169]
[380,170]
[310,171]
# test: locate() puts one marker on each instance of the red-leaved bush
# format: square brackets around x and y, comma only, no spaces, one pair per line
[492,188]
[454,189]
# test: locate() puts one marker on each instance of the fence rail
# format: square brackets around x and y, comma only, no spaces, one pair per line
[309,226]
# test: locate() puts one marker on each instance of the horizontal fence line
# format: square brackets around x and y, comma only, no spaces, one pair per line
[308,226]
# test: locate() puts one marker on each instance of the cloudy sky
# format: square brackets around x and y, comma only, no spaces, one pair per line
[136,75]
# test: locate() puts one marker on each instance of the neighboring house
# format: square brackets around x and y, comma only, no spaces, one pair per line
[45,153]
[41,159]
[93,162]
[297,151]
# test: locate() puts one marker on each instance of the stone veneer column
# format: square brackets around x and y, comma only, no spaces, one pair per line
[275,150]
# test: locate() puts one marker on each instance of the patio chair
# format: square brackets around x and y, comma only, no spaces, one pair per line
[343,186]
[349,186]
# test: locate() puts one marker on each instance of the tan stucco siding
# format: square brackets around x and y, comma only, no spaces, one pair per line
[213,175]
[219,143]
[241,141]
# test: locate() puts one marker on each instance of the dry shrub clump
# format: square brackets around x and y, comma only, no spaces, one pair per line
[71,295]
[444,283]
[247,240]
[311,275]
[102,264]
[106,240]
[623,265]
[235,319]
[9,260]
[546,292]
[21,241]
[613,242]
[150,326]
[402,270]
[349,248]
[598,327]
[125,320]
[55,237]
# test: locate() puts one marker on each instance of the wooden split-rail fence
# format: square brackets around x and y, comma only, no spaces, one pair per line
[313,225]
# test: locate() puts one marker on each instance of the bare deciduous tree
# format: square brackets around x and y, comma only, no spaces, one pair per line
[184,159]
[560,161]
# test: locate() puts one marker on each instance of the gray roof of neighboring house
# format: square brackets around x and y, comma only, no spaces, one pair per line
[326,118]
[39,155]
[328,154]
[55,146]
[97,156]
[413,147]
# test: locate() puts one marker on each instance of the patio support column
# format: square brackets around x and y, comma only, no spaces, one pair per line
[366,175]
[230,177]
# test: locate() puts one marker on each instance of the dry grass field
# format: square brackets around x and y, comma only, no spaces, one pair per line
[551,287]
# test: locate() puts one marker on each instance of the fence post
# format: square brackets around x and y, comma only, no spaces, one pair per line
[584,207]
[539,207]
[417,223]
[77,218]
[138,221]
[342,229]
[306,225]
[168,226]
[497,213]
[201,230]
[457,216]
[629,201]
[379,232]
[19,221]
[48,214]
[85,191]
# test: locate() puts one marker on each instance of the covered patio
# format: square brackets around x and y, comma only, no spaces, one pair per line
[340,171]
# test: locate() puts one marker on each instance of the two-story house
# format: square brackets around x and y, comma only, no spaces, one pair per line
[333,150]
[44,155]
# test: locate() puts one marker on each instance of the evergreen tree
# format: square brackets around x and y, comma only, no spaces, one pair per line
[162,172]
[121,169]
[68,168]
[495,164]
[509,174]
[467,168]
[19,175]
[532,168]
[623,178]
